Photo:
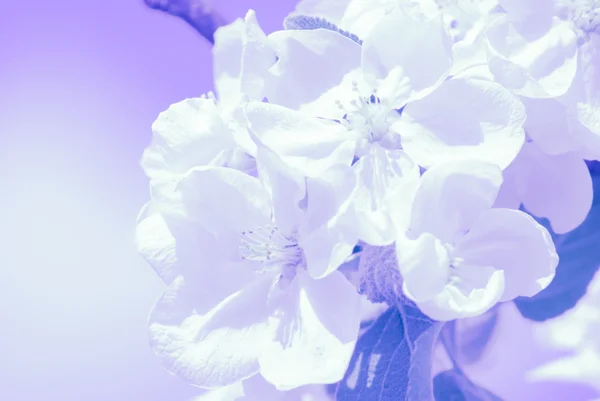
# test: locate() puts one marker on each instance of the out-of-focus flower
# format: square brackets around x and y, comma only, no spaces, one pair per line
[253,286]
[458,256]
[575,331]
[257,389]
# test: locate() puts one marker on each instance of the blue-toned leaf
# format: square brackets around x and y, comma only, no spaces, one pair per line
[579,252]
[391,363]
[453,385]
[307,22]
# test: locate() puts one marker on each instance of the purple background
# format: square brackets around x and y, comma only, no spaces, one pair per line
[80,84]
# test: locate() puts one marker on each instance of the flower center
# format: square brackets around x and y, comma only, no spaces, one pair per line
[370,118]
[274,250]
[585,14]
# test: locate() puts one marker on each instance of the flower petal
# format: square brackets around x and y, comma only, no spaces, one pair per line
[558,187]
[218,348]
[317,333]
[535,57]
[464,119]
[513,242]
[227,60]
[383,176]
[189,133]
[584,98]
[469,293]
[325,237]
[225,201]
[400,40]
[307,144]
[425,266]
[551,126]
[451,197]
[286,188]
[242,59]
[293,81]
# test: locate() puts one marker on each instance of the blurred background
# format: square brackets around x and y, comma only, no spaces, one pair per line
[80,84]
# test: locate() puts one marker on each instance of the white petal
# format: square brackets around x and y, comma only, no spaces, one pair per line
[325,238]
[464,119]
[513,242]
[451,197]
[286,188]
[361,16]
[218,348]
[551,125]
[189,133]
[156,243]
[310,63]
[425,266]
[383,176]
[225,201]
[533,58]
[558,188]
[317,334]
[307,144]
[400,40]
[471,292]
[242,59]
[227,60]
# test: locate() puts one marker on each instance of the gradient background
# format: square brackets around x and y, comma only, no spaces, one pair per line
[80,84]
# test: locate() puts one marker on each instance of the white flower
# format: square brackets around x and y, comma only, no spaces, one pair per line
[205,131]
[251,267]
[458,256]
[378,103]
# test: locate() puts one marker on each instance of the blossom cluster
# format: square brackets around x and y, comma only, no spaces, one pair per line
[419,140]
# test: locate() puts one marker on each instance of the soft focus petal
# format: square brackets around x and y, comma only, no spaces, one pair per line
[558,188]
[513,242]
[585,94]
[464,119]
[452,196]
[225,201]
[215,349]
[471,292]
[551,125]
[425,266]
[310,63]
[308,144]
[400,40]
[317,333]
[535,58]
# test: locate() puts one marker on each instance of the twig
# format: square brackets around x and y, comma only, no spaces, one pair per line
[198,13]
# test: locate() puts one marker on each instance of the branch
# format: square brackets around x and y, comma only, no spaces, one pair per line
[198,13]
